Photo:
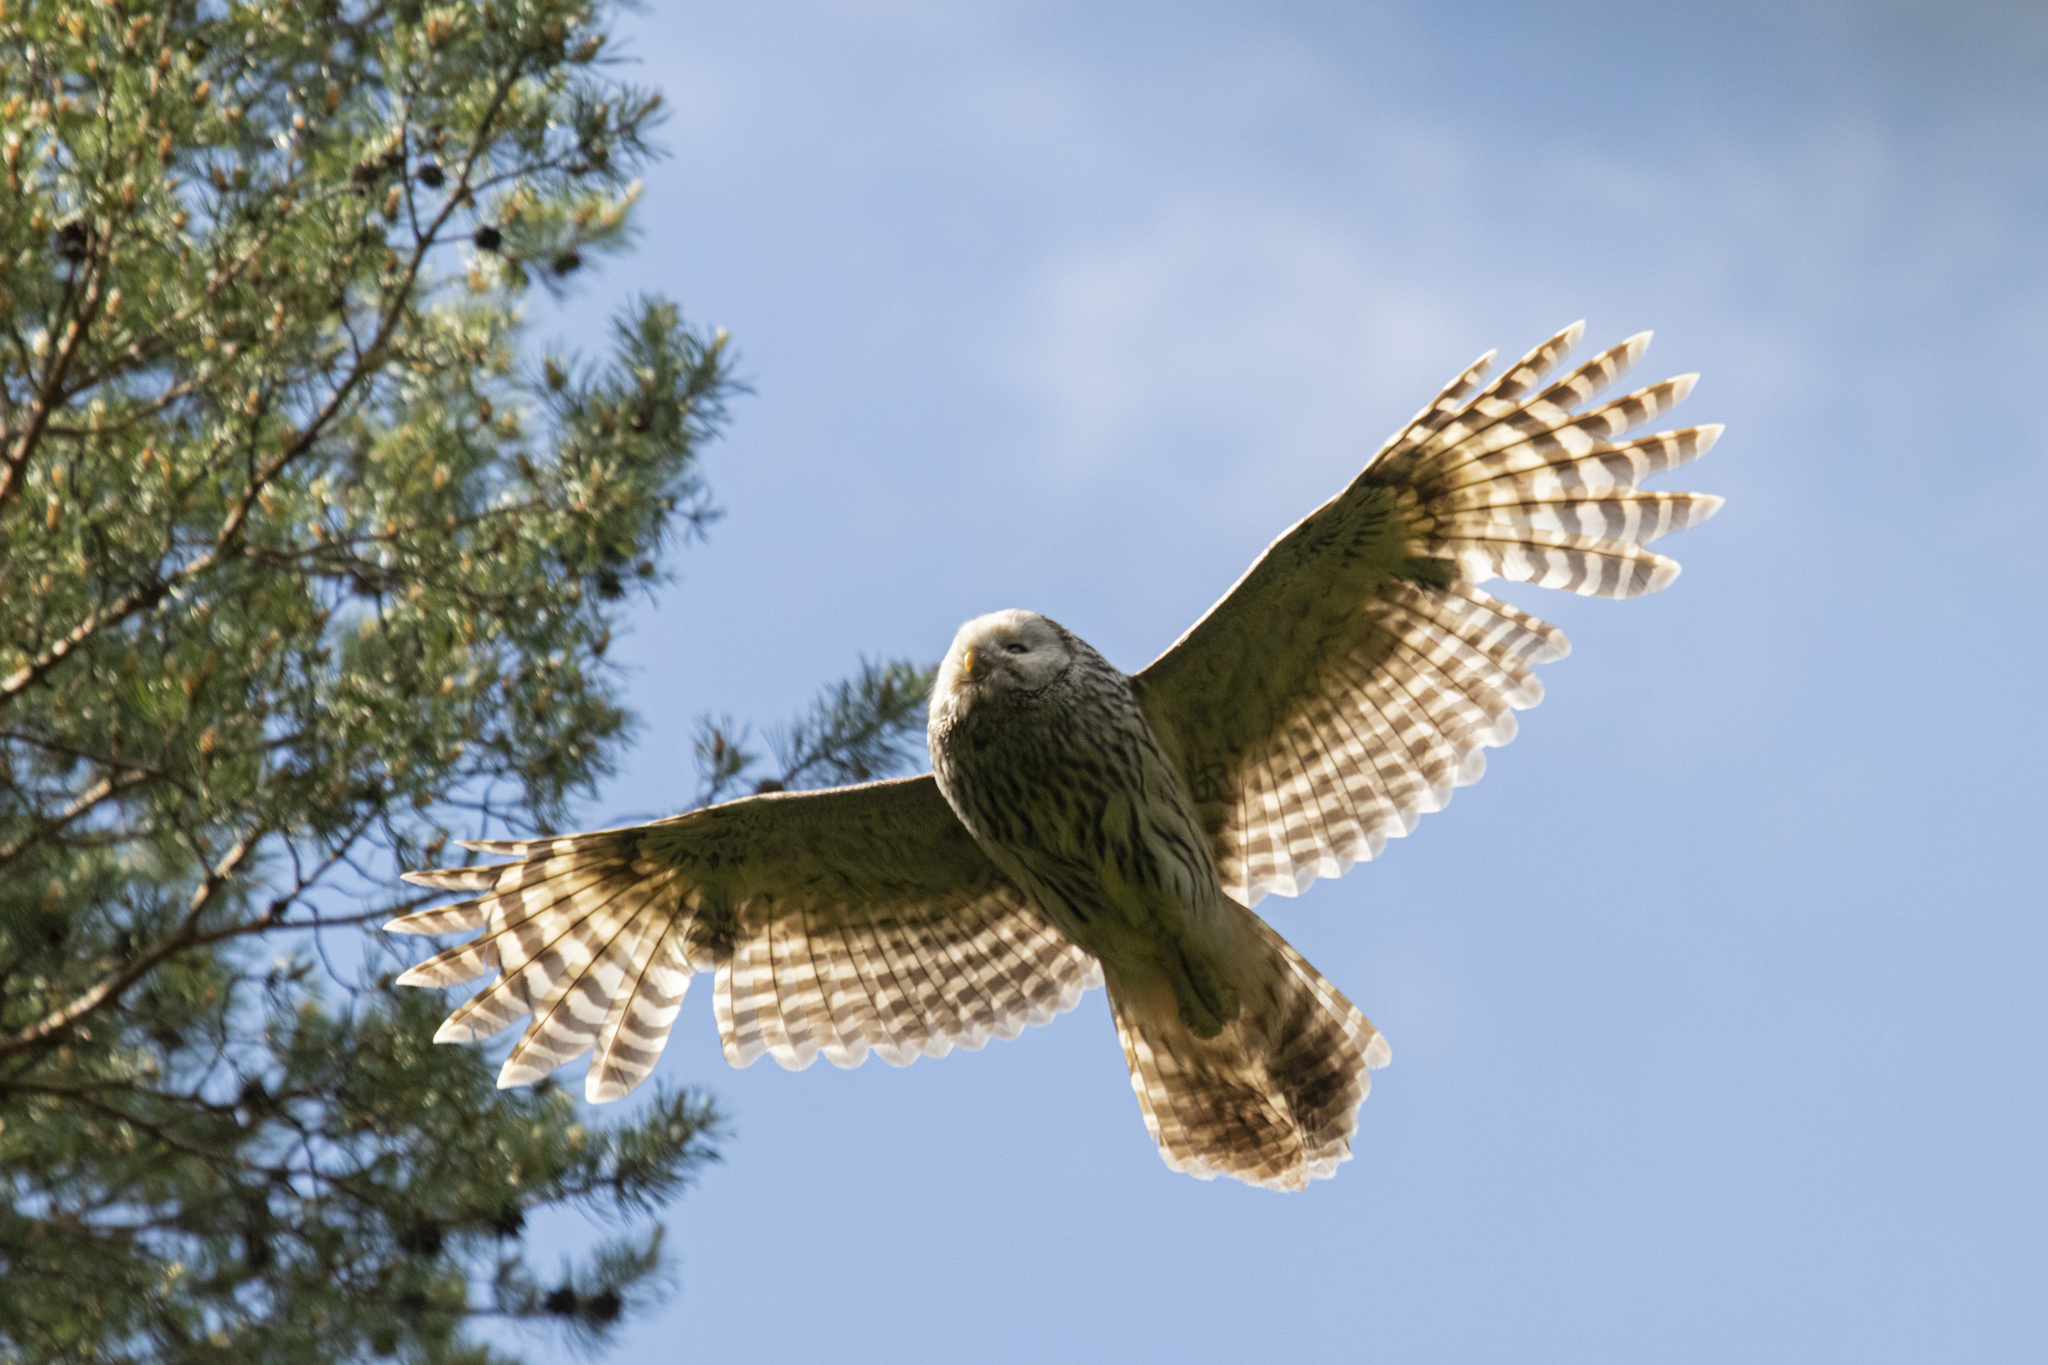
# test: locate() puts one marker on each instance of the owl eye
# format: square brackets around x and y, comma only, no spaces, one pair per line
[1014,648]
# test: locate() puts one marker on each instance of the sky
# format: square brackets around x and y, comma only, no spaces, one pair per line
[1717,1008]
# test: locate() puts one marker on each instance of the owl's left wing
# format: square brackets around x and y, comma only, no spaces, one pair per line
[1356,673]
[843,922]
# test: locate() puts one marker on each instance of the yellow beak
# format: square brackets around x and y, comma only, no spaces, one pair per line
[967,663]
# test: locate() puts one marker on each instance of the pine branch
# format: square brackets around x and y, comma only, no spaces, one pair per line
[859,729]
[298,569]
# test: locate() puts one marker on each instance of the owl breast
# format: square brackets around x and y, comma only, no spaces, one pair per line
[1073,799]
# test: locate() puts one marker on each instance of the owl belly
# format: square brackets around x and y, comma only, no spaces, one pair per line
[1089,819]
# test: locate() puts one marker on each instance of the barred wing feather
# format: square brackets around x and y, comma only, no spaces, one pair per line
[837,923]
[1365,671]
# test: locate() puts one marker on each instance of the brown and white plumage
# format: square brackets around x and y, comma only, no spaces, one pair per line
[839,923]
[1083,826]
[1365,669]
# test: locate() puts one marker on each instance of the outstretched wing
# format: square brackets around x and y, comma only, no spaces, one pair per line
[1356,673]
[843,922]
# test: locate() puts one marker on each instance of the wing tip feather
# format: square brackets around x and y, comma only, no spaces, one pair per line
[450,878]
[518,848]
[453,1029]
[1662,575]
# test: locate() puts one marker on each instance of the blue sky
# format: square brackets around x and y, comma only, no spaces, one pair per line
[1717,1006]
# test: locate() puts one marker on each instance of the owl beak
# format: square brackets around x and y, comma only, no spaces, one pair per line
[967,663]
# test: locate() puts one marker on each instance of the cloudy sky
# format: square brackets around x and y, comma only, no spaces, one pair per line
[1717,1008]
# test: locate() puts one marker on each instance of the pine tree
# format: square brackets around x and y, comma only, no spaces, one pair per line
[305,570]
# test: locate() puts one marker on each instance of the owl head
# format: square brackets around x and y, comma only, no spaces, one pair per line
[1009,656]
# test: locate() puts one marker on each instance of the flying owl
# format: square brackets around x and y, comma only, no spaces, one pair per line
[1082,826]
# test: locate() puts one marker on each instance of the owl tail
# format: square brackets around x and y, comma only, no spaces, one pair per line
[1273,1098]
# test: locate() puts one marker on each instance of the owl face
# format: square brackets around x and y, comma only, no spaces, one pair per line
[1007,655]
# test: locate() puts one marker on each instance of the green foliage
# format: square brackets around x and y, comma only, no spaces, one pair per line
[355,1191]
[857,730]
[300,570]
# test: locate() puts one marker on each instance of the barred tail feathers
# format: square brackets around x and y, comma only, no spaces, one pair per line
[1273,1099]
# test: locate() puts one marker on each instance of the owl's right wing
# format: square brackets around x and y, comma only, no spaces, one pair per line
[854,920]
[1356,673]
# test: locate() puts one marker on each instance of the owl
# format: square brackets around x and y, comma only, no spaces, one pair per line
[1085,827]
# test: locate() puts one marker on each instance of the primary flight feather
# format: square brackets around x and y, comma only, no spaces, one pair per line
[1085,827]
